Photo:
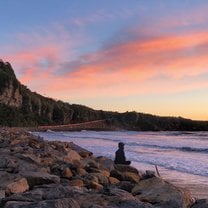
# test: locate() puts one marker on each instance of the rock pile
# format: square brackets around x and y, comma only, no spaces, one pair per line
[37,174]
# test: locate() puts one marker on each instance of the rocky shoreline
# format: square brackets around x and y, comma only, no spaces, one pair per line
[35,173]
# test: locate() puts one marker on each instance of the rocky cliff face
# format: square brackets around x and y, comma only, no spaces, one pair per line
[20,106]
[9,86]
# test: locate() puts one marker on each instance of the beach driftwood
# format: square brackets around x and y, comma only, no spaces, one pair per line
[157,171]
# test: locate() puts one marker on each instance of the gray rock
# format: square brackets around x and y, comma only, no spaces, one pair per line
[52,191]
[105,163]
[39,178]
[162,194]
[126,168]
[72,156]
[57,203]
[130,204]
[2,194]
[201,203]
[126,185]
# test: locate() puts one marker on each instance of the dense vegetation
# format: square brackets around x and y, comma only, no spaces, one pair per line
[35,109]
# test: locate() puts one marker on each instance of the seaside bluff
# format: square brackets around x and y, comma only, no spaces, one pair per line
[35,173]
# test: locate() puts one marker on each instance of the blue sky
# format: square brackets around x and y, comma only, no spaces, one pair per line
[148,56]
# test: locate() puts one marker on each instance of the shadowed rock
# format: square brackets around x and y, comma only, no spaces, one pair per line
[162,194]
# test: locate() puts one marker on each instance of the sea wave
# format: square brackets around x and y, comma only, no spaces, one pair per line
[183,148]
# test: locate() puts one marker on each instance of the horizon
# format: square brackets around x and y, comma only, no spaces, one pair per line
[149,57]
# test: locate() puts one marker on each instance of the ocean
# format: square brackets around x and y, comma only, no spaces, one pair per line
[181,157]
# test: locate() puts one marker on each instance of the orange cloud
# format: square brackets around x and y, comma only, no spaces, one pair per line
[161,64]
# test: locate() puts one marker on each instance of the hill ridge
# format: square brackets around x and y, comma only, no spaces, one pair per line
[21,107]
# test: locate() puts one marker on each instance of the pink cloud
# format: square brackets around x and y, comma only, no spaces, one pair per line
[127,68]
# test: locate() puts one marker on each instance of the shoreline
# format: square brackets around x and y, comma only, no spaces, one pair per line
[64,172]
[195,184]
[181,179]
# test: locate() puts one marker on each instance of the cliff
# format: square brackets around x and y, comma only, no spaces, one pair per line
[21,107]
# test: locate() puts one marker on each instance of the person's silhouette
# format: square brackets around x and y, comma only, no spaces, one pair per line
[120,155]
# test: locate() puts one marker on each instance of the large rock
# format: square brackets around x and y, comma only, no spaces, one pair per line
[97,177]
[116,174]
[125,175]
[132,177]
[162,194]
[123,199]
[44,192]
[72,156]
[201,203]
[18,186]
[126,185]
[130,204]
[67,173]
[113,180]
[39,178]
[90,163]
[105,163]
[8,164]
[2,194]
[57,203]
[82,152]
[126,168]
[76,182]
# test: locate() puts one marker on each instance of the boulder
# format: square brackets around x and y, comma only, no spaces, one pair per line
[90,177]
[123,199]
[126,185]
[162,194]
[129,176]
[96,186]
[2,194]
[19,197]
[105,163]
[18,186]
[76,182]
[67,173]
[134,203]
[105,173]
[82,152]
[201,203]
[126,168]
[46,192]
[81,171]
[72,156]
[116,174]
[147,174]
[17,204]
[28,157]
[125,175]
[39,178]
[89,163]
[57,203]
[113,180]
[8,164]
[101,179]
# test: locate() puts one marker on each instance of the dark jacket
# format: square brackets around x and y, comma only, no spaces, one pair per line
[120,157]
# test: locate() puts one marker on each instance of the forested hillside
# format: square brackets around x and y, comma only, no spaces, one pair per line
[21,107]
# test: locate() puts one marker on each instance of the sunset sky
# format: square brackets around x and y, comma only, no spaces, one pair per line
[144,55]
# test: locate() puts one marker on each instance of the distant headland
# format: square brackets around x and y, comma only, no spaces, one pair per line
[21,107]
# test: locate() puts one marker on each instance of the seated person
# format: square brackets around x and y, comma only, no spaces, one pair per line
[120,155]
